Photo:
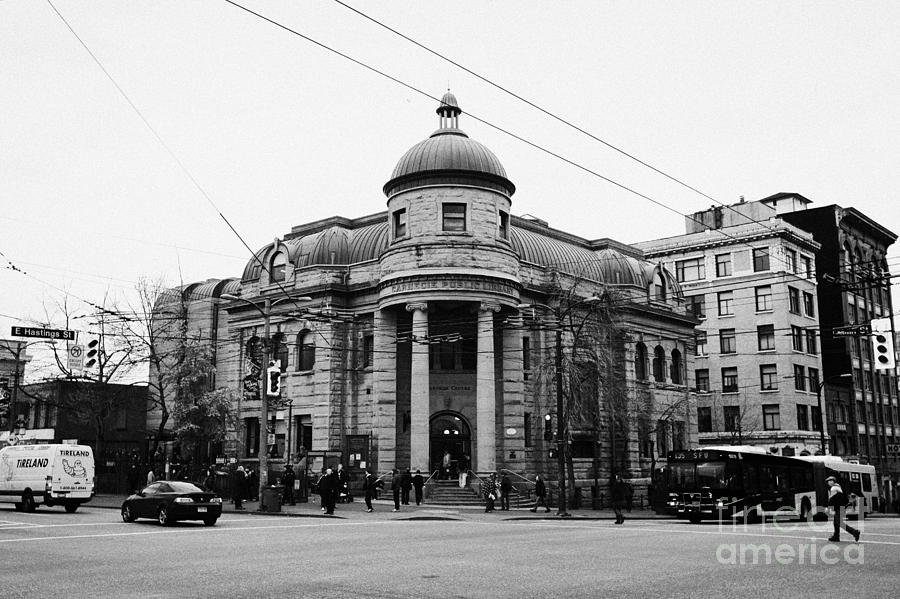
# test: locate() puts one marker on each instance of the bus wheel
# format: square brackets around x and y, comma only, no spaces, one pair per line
[694,519]
[28,504]
[753,517]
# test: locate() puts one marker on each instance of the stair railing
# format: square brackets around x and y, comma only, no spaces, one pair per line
[528,484]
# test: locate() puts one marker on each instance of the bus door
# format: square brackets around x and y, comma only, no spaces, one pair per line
[775,487]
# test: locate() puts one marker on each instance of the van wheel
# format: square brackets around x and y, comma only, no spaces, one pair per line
[28,504]
[71,507]
[163,516]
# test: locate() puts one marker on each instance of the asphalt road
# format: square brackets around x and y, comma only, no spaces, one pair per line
[92,553]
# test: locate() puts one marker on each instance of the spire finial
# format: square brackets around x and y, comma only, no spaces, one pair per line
[448,111]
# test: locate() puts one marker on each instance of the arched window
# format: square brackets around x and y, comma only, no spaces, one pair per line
[277,267]
[280,350]
[658,289]
[306,351]
[659,364]
[675,367]
[640,361]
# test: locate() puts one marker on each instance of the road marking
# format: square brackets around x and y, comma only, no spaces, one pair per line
[865,541]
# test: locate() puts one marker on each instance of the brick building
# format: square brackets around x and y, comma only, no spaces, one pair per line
[431,328]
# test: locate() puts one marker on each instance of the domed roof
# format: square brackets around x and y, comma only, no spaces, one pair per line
[449,156]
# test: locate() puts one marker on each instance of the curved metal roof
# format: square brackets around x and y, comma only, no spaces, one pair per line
[448,149]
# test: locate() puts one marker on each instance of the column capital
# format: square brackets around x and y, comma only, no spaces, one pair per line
[412,307]
[488,307]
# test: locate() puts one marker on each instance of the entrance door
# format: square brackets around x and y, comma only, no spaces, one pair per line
[450,434]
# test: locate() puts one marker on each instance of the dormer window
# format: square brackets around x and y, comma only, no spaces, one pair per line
[503,225]
[454,217]
[277,268]
[400,223]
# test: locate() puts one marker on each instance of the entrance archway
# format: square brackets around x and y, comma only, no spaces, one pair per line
[449,432]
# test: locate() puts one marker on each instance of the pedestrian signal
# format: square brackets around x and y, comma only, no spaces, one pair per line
[883,344]
[552,453]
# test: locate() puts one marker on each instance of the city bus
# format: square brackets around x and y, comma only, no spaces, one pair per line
[856,480]
[746,482]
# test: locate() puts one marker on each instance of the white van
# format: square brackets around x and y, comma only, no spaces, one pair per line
[49,474]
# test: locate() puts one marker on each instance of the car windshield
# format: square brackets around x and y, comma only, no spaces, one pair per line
[182,487]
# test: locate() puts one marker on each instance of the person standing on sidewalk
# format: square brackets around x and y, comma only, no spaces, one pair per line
[837,501]
[618,492]
[505,491]
[287,479]
[238,482]
[405,486]
[395,487]
[540,494]
[418,482]
[489,492]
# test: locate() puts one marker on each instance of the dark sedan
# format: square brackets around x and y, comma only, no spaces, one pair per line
[170,500]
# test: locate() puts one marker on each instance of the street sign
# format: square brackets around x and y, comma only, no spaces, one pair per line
[53,334]
[853,330]
[76,358]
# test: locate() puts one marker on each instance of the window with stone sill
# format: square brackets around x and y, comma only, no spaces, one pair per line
[399,223]
[503,225]
[454,217]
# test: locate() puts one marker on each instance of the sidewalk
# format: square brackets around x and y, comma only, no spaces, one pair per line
[383,507]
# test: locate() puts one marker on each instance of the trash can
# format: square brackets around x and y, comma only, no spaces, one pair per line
[271,499]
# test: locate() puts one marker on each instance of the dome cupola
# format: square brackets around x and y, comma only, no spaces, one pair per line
[449,156]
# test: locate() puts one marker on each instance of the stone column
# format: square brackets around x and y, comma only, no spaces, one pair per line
[420,391]
[384,369]
[485,401]
[511,394]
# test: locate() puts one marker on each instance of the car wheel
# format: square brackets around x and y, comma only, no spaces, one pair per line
[71,507]
[127,514]
[163,516]
[209,521]
[28,504]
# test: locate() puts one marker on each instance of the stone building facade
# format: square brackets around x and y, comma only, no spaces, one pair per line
[432,328]
[751,280]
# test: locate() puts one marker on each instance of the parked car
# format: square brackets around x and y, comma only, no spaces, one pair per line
[169,501]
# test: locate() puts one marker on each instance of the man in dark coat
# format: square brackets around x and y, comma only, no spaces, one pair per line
[396,485]
[540,494]
[328,489]
[505,490]
[343,484]
[405,486]
[238,484]
[618,492]
[418,482]
[287,479]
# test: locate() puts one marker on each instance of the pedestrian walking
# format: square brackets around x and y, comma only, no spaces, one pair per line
[489,492]
[445,465]
[463,470]
[287,479]
[618,492]
[540,494]
[505,491]
[343,479]
[151,477]
[395,488]
[405,486]
[238,483]
[838,501]
[370,487]
[418,483]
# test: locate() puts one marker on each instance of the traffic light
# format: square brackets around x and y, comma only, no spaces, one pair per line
[548,427]
[273,372]
[883,344]
[92,352]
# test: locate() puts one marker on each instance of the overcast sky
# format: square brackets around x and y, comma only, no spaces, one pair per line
[734,98]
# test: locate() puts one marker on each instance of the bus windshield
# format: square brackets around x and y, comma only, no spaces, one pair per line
[687,476]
